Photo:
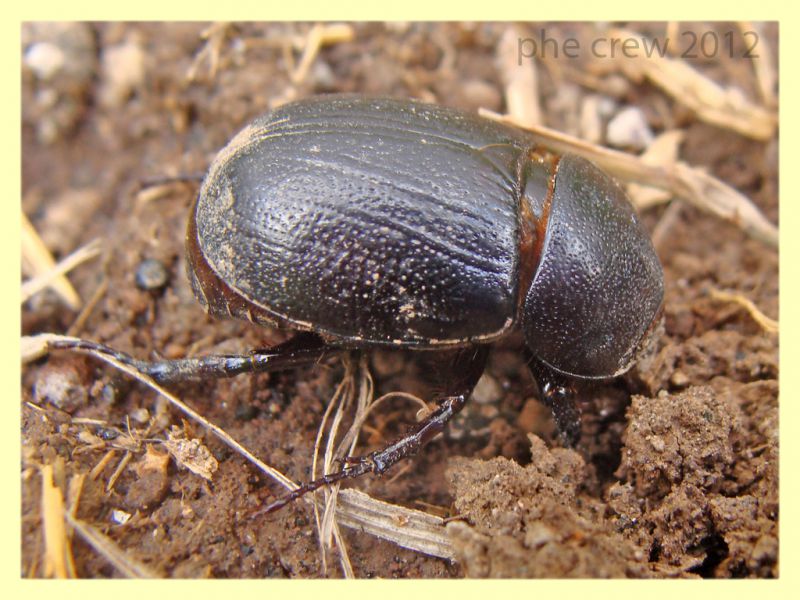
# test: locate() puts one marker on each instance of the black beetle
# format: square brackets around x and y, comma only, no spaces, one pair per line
[365,222]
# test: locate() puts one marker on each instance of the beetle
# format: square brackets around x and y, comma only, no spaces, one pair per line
[364,222]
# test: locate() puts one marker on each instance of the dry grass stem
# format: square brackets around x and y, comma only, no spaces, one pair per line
[724,107]
[520,80]
[763,62]
[406,527]
[108,549]
[50,277]
[767,324]
[86,311]
[102,464]
[57,559]
[319,36]
[214,36]
[665,224]
[343,399]
[662,152]
[323,523]
[121,466]
[39,264]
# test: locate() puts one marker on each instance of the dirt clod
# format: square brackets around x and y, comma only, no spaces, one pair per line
[530,522]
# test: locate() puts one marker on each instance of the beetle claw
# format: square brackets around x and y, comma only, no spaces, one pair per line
[559,395]
[566,412]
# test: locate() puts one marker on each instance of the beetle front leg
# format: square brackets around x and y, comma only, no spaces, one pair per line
[558,394]
[465,369]
[302,349]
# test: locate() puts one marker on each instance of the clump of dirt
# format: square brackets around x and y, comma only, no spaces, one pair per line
[533,521]
[687,479]
[688,500]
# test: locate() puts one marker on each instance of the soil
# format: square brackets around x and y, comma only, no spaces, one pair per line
[676,474]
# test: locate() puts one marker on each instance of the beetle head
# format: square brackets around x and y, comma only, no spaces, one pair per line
[594,301]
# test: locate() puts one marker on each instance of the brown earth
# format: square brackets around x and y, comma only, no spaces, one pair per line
[677,471]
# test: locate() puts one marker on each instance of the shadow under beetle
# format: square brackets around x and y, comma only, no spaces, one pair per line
[365,222]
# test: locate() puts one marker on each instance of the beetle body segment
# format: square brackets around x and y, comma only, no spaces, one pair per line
[599,283]
[372,221]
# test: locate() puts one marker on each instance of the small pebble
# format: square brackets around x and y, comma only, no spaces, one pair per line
[679,379]
[657,443]
[141,416]
[107,393]
[151,275]
[487,390]
[120,517]
[629,129]
[107,434]
[322,77]
[606,107]
[61,385]
[123,72]
[538,534]
[45,59]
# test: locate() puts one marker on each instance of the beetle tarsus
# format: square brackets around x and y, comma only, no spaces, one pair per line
[466,367]
[361,468]
[558,394]
[567,414]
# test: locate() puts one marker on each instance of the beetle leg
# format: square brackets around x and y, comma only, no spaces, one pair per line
[558,394]
[464,371]
[302,349]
